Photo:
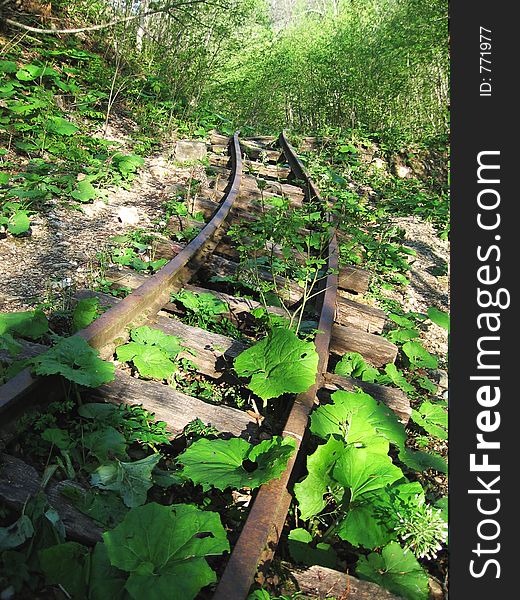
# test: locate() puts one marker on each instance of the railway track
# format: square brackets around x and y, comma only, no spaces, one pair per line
[344,324]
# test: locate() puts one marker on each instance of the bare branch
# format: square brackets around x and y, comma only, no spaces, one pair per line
[81,29]
[166,9]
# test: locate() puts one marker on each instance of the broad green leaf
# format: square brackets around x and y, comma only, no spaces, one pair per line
[131,480]
[170,344]
[31,324]
[311,491]
[220,463]
[363,471]
[101,411]
[397,378]
[278,364]
[8,66]
[18,223]
[30,72]
[301,552]
[401,320]
[106,508]
[152,351]
[419,356]
[358,419]
[128,164]
[105,443]
[61,126]
[204,302]
[67,564]
[7,342]
[155,265]
[363,526]
[433,418]
[4,178]
[85,312]
[420,460]
[105,580]
[442,505]
[74,359]
[164,549]
[370,520]
[150,361]
[396,570]
[84,191]
[398,336]
[59,437]
[27,147]
[16,534]
[427,384]
[439,317]
[352,364]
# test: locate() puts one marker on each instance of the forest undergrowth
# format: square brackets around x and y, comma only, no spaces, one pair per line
[364,85]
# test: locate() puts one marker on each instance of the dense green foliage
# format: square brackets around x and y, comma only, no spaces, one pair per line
[378,65]
[372,77]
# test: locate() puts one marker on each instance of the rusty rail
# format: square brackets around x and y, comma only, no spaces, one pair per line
[145,301]
[297,167]
[261,532]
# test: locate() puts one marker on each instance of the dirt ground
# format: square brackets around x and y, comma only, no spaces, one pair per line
[59,255]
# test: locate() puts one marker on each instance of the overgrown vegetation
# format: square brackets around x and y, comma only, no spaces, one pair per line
[370,79]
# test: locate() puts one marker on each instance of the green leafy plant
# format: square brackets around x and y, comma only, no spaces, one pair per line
[235,463]
[357,430]
[152,352]
[439,317]
[75,360]
[418,460]
[396,570]
[352,476]
[299,542]
[418,356]
[129,257]
[278,364]
[134,422]
[163,549]
[131,480]
[422,528]
[31,324]
[13,217]
[7,342]
[85,311]
[205,310]
[433,418]
[352,364]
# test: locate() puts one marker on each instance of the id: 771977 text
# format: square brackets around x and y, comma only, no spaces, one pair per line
[485,61]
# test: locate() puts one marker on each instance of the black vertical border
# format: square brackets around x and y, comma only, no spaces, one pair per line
[480,123]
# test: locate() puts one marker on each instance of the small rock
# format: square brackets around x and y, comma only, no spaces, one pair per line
[159,171]
[187,150]
[128,215]
[94,209]
[403,171]
[174,189]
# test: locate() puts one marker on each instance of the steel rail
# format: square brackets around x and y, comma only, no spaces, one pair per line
[145,301]
[297,167]
[261,532]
